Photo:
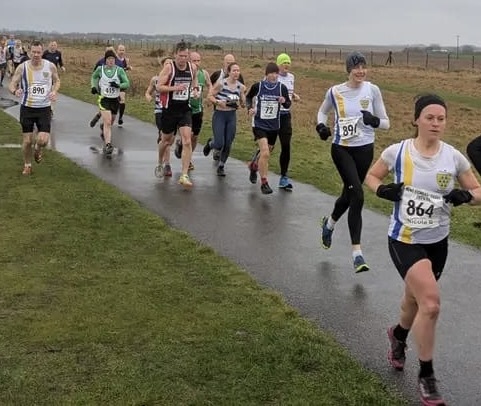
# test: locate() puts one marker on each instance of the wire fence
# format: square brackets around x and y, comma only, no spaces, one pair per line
[445,61]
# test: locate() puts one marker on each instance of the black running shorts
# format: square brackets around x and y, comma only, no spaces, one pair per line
[35,116]
[271,135]
[404,256]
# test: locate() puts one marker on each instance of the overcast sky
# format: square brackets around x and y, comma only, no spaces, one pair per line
[376,22]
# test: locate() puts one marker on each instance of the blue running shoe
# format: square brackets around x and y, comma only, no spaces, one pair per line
[326,234]
[360,265]
[285,184]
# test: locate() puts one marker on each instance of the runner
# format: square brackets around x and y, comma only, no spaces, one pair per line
[124,63]
[3,59]
[36,82]
[264,101]
[203,81]
[219,75]
[178,81]
[153,94]
[227,95]
[53,55]
[107,81]
[474,152]
[359,110]
[101,62]
[425,171]
[10,46]
[285,130]
[19,55]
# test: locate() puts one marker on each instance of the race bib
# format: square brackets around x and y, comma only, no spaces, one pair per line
[269,109]
[420,208]
[349,127]
[110,92]
[38,90]
[181,94]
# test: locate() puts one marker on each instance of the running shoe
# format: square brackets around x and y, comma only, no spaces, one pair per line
[284,183]
[27,170]
[37,155]
[428,392]
[253,172]
[360,265]
[167,170]
[207,147]
[326,234]
[216,155]
[397,353]
[108,150]
[95,120]
[220,171]
[185,181]
[266,189]
[121,122]
[178,149]
[159,171]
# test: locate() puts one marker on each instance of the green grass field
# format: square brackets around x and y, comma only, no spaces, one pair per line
[103,304]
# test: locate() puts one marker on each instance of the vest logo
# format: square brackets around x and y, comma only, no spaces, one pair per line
[443,179]
[46,74]
[364,103]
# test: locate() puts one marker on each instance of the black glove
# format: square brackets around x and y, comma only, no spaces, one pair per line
[458,196]
[232,104]
[369,119]
[94,90]
[323,131]
[391,191]
[114,84]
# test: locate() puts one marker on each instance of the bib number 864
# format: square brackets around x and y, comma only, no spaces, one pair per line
[419,210]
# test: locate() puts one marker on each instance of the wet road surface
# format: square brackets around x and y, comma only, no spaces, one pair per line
[276,239]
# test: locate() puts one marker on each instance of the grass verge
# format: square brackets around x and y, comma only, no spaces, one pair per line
[103,303]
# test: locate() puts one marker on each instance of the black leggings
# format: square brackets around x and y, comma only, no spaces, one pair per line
[352,163]
[474,152]
[285,135]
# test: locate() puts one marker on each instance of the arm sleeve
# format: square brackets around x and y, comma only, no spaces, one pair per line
[379,110]
[95,77]
[389,155]
[124,80]
[285,94]
[461,162]
[251,94]
[60,60]
[325,108]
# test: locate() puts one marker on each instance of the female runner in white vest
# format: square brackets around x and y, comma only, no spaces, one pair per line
[359,109]
[425,171]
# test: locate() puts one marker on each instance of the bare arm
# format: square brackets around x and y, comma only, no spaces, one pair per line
[55,79]
[149,92]
[164,76]
[243,96]
[214,90]
[15,81]
[208,83]
[376,175]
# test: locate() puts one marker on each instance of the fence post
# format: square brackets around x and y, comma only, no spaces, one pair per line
[427,60]
[241,51]
[262,52]
[472,65]
[325,53]
[310,57]
[273,52]
[372,58]
[449,60]
[407,58]
[340,54]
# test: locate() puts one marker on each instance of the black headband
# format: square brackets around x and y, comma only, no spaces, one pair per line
[426,100]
